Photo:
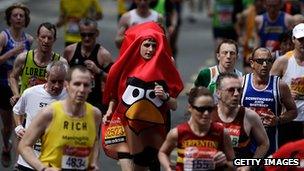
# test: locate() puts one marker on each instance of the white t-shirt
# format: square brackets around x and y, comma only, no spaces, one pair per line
[294,78]
[136,19]
[33,100]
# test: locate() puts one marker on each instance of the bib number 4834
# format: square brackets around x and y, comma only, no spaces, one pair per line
[72,162]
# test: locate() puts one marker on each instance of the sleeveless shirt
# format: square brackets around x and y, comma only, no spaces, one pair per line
[239,138]
[265,101]
[196,152]
[294,78]
[33,74]
[7,66]
[68,141]
[95,97]
[136,19]
[270,31]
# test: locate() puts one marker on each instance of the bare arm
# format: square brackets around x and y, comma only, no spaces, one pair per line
[62,17]
[19,113]
[107,117]
[174,22]
[228,149]
[30,38]
[98,11]
[16,72]
[104,59]
[254,122]
[160,93]
[289,104]
[165,150]
[289,21]
[69,52]
[95,156]
[12,52]
[172,103]
[240,21]
[123,25]
[258,26]
[279,66]
[37,128]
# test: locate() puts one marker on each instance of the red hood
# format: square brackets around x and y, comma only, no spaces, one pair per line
[131,64]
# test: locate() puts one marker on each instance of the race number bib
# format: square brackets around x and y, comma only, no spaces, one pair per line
[115,133]
[263,112]
[72,28]
[75,158]
[37,145]
[198,164]
[225,14]
[234,132]
[297,86]
[199,159]
[74,163]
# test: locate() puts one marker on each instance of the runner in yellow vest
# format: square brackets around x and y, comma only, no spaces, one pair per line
[71,12]
[68,129]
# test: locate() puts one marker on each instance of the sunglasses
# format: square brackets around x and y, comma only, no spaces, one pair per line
[87,34]
[203,109]
[231,90]
[261,61]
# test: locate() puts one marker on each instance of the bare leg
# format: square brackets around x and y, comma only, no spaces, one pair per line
[126,164]
[6,132]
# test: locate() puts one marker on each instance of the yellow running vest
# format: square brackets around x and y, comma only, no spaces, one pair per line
[68,142]
[75,10]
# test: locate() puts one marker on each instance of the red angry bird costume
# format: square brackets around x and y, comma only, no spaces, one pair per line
[139,117]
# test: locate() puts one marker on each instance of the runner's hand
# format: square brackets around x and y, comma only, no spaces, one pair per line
[14,99]
[107,117]
[268,119]
[160,92]
[20,131]
[219,159]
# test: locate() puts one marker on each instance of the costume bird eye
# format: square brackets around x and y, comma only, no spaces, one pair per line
[151,96]
[132,94]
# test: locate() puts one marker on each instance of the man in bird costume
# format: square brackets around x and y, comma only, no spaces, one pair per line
[141,88]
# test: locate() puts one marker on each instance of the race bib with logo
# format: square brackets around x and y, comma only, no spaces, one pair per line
[199,159]
[37,145]
[297,86]
[115,133]
[234,132]
[225,14]
[75,158]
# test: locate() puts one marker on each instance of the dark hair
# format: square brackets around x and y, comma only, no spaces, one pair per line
[196,92]
[262,49]
[228,41]
[88,21]
[8,13]
[48,26]
[224,75]
[81,68]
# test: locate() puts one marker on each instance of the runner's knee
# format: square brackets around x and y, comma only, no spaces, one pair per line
[145,157]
